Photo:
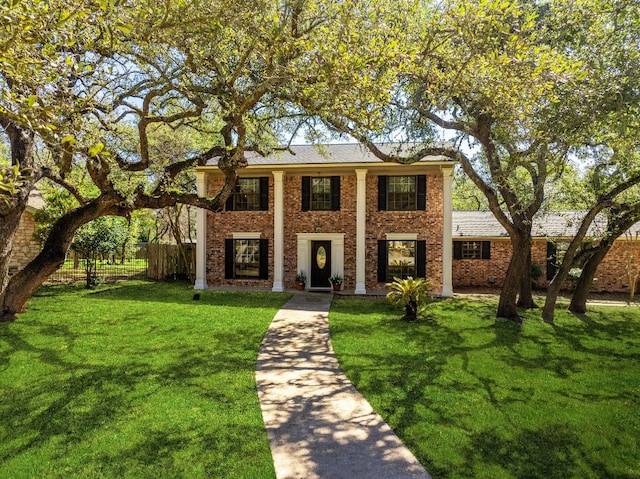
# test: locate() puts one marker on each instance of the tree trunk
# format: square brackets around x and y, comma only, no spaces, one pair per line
[521,249]
[411,311]
[553,291]
[23,284]
[8,226]
[583,286]
[525,299]
[21,142]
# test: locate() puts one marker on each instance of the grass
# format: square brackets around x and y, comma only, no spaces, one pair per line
[134,380]
[476,397]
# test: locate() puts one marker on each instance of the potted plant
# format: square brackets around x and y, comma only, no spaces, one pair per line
[336,281]
[300,281]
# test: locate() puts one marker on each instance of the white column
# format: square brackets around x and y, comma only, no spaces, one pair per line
[278,231]
[201,235]
[447,240]
[361,229]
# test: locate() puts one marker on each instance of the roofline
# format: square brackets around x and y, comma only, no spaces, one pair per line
[337,166]
[506,238]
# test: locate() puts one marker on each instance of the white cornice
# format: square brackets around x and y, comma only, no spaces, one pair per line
[436,168]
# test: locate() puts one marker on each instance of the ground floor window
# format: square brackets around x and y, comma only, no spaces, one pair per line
[401,259]
[556,250]
[246,258]
[472,250]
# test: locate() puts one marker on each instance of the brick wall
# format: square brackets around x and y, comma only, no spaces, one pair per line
[427,224]
[483,272]
[25,248]
[298,221]
[610,276]
[220,226]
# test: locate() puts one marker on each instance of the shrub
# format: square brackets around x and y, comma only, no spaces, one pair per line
[413,294]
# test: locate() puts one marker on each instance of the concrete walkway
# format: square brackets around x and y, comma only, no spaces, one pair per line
[319,426]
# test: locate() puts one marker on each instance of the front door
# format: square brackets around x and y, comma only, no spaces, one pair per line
[320,264]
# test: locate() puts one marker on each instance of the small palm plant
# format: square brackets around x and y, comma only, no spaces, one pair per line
[413,294]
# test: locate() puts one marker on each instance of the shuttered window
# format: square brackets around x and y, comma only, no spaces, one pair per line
[320,193]
[246,259]
[401,259]
[250,194]
[472,250]
[402,193]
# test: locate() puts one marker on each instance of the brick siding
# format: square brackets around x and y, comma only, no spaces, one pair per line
[427,224]
[221,225]
[25,248]
[610,276]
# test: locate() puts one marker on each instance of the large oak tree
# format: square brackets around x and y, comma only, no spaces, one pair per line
[234,73]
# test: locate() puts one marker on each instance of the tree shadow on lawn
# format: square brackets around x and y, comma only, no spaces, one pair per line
[79,401]
[439,367]
[159,292]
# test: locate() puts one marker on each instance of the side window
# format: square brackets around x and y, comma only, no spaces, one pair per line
[250,194]
[402,193]
[320,193]
[555,255]
[472,250]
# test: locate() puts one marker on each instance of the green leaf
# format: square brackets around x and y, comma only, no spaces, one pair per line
[96,149]
[69,139]
[125,28]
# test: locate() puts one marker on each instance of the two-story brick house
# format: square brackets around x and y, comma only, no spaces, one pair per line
[332,209]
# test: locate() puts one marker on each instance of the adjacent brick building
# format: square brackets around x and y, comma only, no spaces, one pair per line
[328,210]
[25,247]
[482,249]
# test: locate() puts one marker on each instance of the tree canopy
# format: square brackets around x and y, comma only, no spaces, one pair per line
[116,103]
[122,81]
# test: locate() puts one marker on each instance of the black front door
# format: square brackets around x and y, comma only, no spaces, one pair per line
[320,264]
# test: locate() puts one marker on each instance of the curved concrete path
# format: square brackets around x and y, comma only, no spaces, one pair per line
[319,426]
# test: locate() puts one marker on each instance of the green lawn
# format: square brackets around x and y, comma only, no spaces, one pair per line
[473,397]
[134,380]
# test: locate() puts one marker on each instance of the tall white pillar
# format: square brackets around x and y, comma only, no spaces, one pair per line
[278,231]
[361,229]
[447,240]
[201,235]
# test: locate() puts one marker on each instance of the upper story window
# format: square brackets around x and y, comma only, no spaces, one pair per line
[402,193]
[472,250]
[320,193]
[250,194]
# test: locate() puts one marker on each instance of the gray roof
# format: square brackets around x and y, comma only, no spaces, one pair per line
[35,201]
[560,224]
[330,154]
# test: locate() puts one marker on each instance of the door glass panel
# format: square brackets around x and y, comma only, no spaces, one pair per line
[321,257]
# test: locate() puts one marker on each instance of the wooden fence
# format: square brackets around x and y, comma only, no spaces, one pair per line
[165,261]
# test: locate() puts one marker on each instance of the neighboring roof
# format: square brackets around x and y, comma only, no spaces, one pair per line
[343,153]
[561,224]
[35,201]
